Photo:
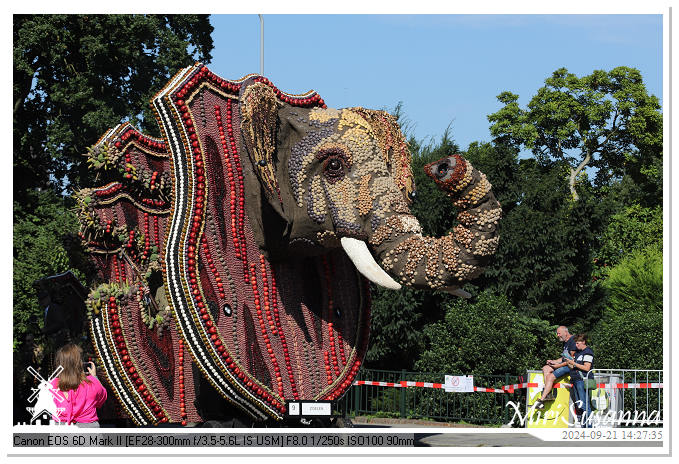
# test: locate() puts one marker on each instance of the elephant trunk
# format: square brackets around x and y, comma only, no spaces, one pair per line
[446,262]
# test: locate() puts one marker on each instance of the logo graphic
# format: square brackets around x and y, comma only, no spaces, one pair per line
[45,394]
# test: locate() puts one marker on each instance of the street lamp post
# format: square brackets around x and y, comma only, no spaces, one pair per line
[261,45]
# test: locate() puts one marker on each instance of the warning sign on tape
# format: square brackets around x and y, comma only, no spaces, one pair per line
[506,388]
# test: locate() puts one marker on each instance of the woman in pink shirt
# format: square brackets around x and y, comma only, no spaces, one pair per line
[82,395]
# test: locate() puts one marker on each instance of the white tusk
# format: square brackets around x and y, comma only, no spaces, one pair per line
[457,291]
[359,254]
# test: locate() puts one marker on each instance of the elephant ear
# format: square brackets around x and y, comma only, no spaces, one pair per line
[259,112]
[394,148]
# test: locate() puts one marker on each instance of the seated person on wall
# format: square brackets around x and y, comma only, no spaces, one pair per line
[556,368]
[580,367]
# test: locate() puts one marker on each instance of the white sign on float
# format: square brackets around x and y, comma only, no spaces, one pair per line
[293,409]
[459,383]
[316,409]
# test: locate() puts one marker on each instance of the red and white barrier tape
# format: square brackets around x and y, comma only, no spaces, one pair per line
[506,388]
[402,383]
[488,390]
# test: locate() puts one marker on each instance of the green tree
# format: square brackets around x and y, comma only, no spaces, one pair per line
[632,229]
[606,120]
[638,279]
[629,336]
[75,76]
[500,163]
[396,325]
[44,245]
[486,337]
[544,260]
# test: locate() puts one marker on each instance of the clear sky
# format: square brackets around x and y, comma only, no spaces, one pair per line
[446,69]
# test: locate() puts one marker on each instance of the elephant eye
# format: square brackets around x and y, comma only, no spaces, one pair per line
[334,164]
[333,168]
[442,169]
[335,160]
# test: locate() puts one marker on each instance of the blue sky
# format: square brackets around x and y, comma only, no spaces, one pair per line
[446,69]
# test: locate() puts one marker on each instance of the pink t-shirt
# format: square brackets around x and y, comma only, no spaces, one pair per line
[82,403]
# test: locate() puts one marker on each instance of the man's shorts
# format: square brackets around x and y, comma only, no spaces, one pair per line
[561,371]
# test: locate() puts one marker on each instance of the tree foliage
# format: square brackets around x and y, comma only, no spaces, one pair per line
[486,337]
[396,324]
[638,279]
[564,255]
[606,120]
[631,339]
[75,76]
[500,164]
[544,260]
[631,229]
[630,334]
[44,245]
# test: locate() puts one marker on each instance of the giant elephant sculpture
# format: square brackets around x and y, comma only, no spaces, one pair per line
[234,250]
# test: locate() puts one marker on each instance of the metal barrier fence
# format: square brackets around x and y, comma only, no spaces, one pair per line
[428,403]
[631,396]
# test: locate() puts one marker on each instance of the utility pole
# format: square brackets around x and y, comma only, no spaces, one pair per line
[261,45]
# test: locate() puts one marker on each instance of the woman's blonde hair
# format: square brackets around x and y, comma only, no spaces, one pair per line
[70,358]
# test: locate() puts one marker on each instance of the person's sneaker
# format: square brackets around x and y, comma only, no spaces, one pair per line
[551,396]
[539,404]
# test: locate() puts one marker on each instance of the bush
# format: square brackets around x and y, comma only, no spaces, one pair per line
[486,337]
[629,339]
[637,280]
[629,336]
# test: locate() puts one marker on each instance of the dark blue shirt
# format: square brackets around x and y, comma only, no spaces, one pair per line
[568,347]
[581,357]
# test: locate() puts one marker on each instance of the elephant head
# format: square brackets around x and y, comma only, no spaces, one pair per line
[229,251]
[342,178]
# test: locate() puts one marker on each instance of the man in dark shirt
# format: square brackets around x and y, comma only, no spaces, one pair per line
[555,368]
[580,367]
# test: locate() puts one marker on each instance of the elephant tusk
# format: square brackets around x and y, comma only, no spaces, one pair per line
[359,254]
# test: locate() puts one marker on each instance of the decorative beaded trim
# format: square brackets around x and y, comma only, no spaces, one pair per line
[177,271]
[111,373]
